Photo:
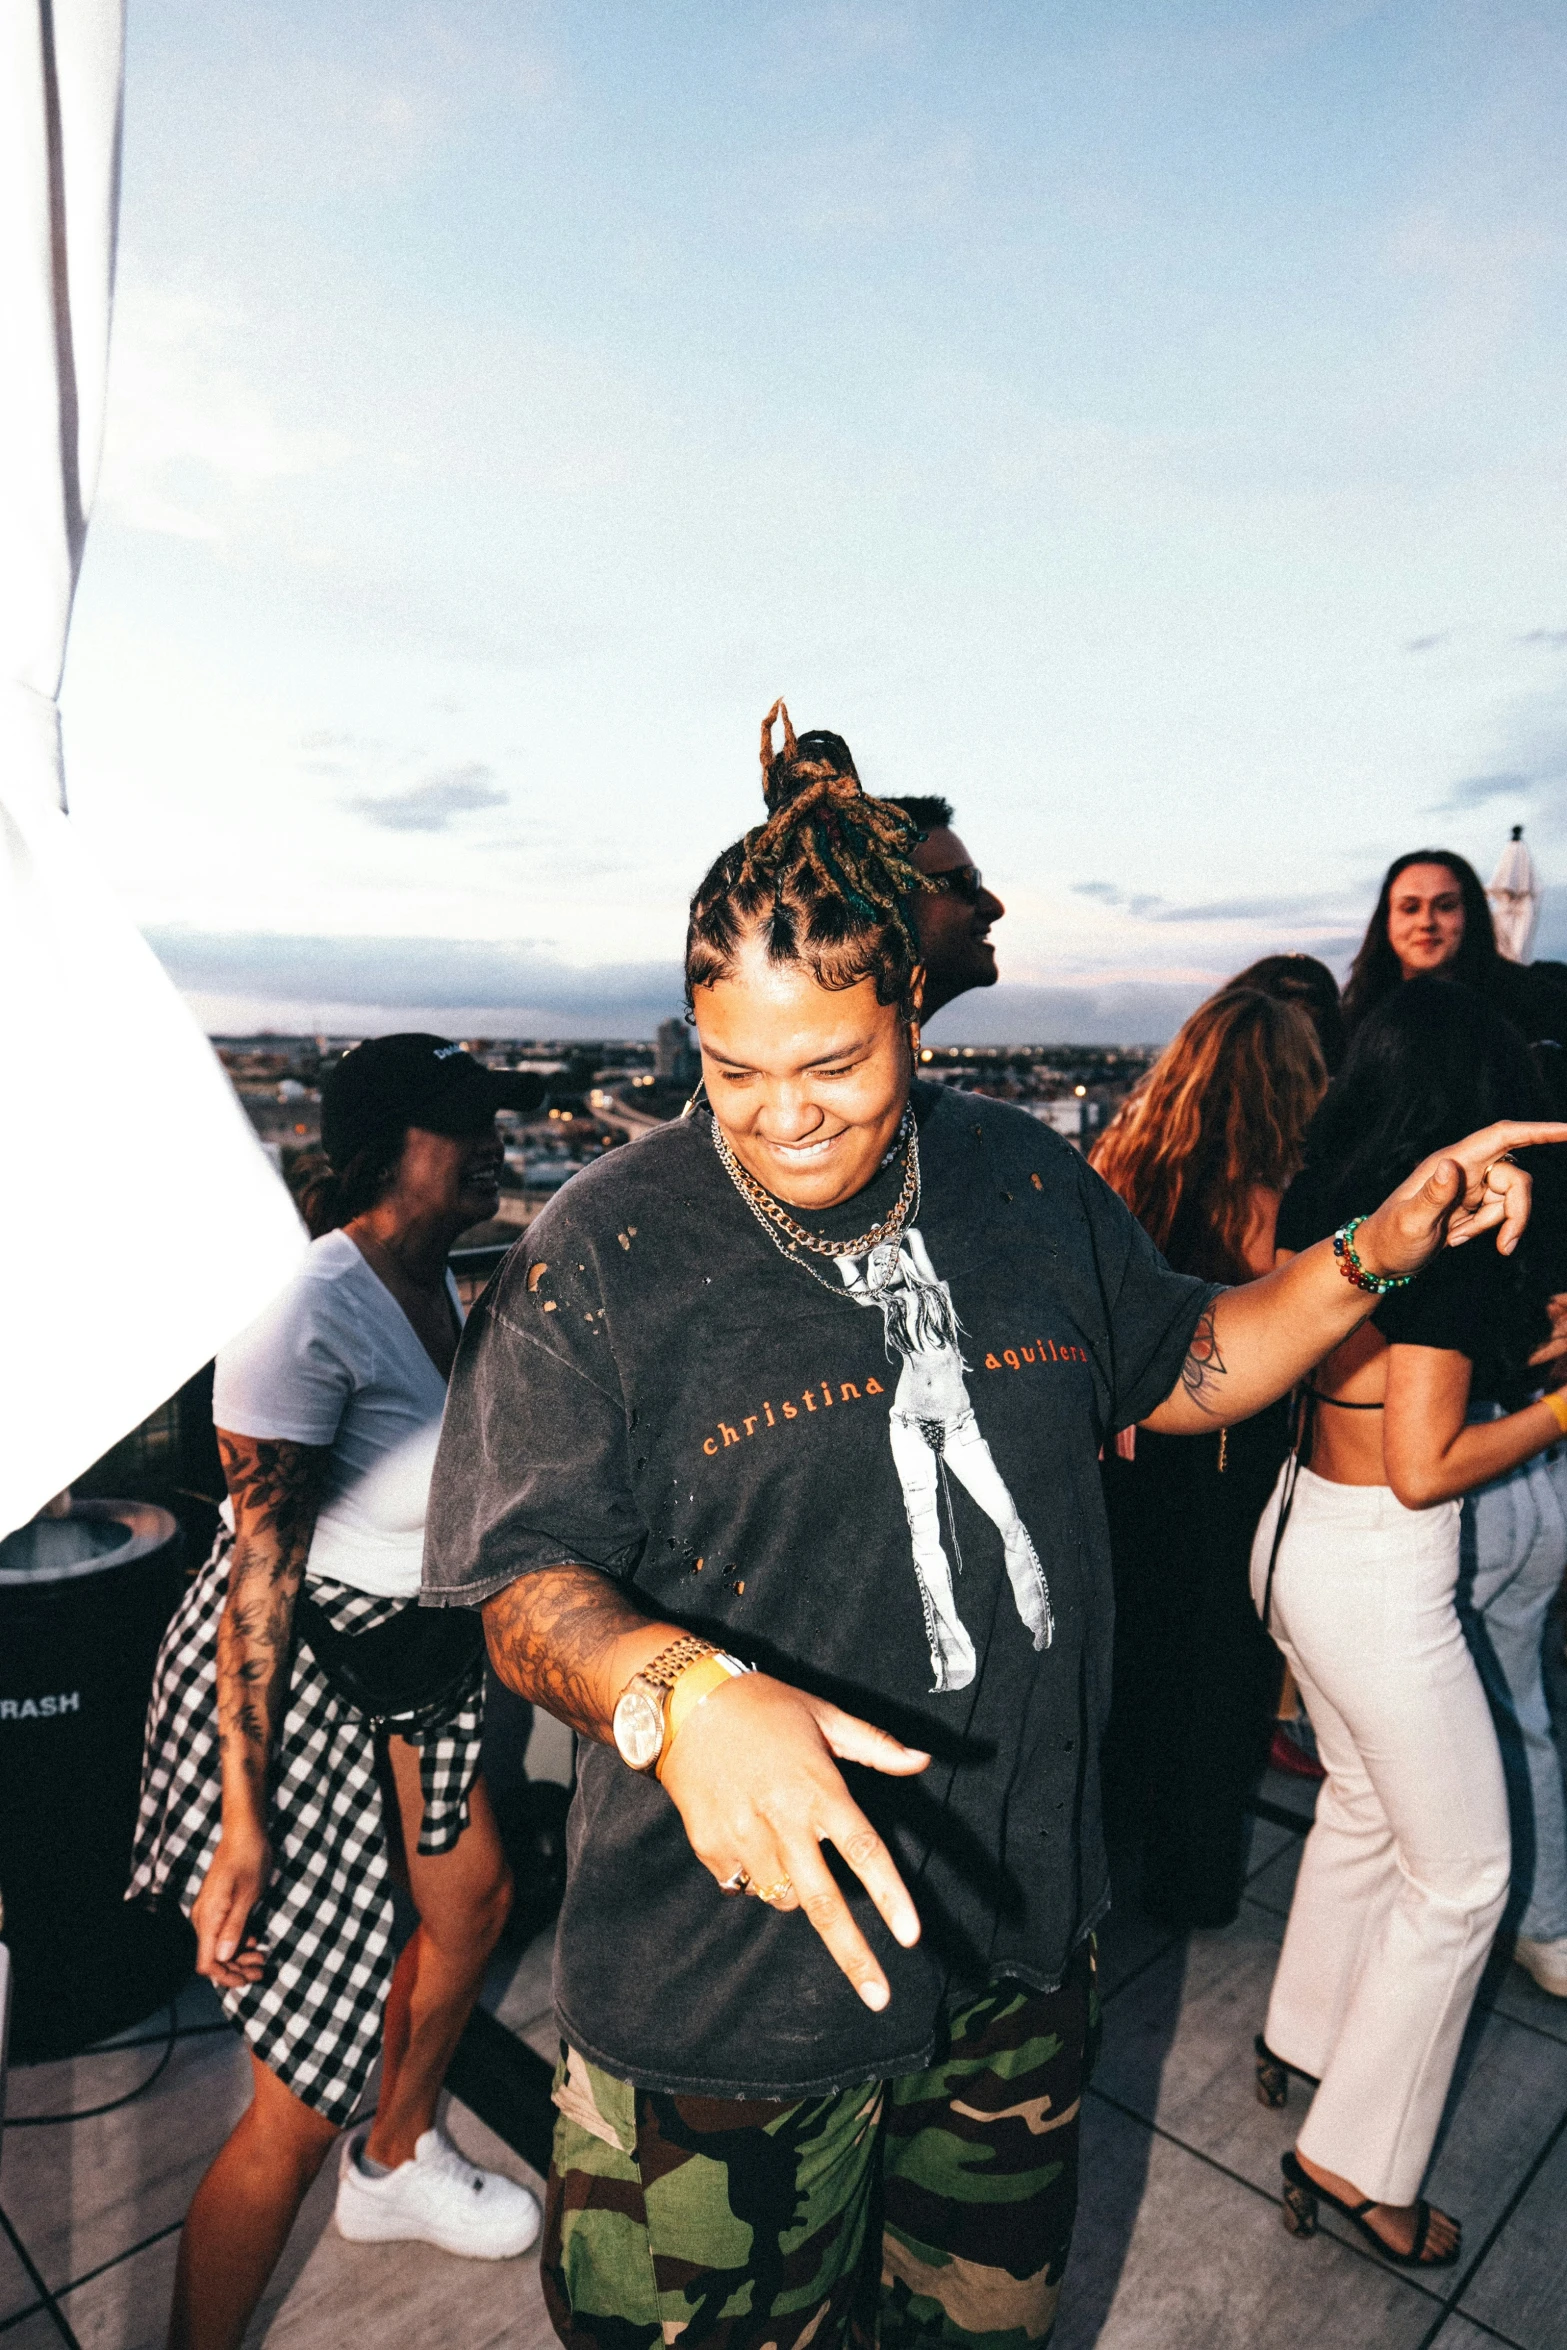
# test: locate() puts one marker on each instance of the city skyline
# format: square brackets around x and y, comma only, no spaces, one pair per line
[1144,427]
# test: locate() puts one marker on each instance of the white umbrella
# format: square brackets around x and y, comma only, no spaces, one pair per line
[1514,892]
[140,1222]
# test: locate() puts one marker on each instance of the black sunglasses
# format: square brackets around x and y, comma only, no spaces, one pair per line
[960,881]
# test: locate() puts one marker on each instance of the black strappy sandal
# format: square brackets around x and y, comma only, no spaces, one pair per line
[1302,2195]
[1273,2076]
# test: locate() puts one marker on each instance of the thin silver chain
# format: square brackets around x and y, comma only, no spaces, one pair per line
[774,1219]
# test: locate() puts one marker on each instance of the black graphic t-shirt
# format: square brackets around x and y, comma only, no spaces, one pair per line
[880,1483]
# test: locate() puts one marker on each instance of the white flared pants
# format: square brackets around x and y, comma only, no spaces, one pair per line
[1404,1876]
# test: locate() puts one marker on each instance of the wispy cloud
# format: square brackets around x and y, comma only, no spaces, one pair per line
[1553,639]
[428,806]
[1428,644]
[443,974]
[1149,908]
[188,439]
[1109,893]
[1475,790]
[1261,909]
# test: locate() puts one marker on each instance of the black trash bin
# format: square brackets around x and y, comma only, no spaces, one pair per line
[84,1600]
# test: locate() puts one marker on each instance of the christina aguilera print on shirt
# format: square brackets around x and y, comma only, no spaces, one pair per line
[934,1432]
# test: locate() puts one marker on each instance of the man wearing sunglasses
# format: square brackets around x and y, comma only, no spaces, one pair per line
[954,919]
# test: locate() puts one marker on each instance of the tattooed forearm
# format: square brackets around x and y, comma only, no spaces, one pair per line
[1204,1367]
[552,1638]
[275,1487]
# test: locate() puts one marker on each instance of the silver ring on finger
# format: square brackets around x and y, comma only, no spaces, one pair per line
[738,1881]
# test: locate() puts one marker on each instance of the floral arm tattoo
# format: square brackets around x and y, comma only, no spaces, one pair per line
[551,1636]
[275,1487]
[1204,1367]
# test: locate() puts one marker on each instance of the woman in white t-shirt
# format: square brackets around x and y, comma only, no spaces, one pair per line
[300,1687]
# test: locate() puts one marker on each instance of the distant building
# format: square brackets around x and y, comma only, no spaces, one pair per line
[675,1056]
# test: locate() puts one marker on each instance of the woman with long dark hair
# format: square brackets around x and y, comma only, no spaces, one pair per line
[314,1735]
[1433,920]
[1201,1152]
[760,1416]
[1355,1570]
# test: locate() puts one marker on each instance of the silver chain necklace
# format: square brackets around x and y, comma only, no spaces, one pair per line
[776,1221]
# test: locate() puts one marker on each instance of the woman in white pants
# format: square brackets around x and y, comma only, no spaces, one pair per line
[1405,1873]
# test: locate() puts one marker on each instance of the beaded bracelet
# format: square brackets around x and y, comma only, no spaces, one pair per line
[1354,1272]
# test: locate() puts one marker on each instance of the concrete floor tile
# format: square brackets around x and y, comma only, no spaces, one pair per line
[1290,1794]
[196,2008]
[1273,1885]
[328,2291]
[1127,1941]
[1178,2051]
[125,2308]
[1178,2046]
[1171,2254]
[83,2193]
[17,2290]
[1268,1840]
[1461,2333]
[1519,2288]
[1509,2094]
[1513,1993]
[517,1988]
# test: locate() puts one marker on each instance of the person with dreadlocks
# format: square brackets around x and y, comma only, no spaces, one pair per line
[679,1479]
[953,915]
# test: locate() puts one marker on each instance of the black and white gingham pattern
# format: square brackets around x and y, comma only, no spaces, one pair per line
[325,1922]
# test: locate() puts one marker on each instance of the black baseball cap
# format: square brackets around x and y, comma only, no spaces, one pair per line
[393,1082]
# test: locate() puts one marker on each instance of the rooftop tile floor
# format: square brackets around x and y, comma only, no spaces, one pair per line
[1179,2242]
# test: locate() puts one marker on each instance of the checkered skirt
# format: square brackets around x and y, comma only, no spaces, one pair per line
[325,1920]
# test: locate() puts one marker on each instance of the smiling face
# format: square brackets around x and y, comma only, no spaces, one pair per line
[808,1083]
[1425,919]
[953,921]
[450,1175]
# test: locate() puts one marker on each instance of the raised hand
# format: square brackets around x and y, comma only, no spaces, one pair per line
[1453,1196]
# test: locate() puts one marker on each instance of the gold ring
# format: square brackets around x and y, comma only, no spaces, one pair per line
[738,1882]
[1504,1159]
[772,1893]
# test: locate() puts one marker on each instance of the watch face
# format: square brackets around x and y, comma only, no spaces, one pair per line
[639,1729]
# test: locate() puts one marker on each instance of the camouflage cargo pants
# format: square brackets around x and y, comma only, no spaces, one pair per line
[934,2210]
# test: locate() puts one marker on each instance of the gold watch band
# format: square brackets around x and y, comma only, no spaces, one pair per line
[687,1691]
[665,1669]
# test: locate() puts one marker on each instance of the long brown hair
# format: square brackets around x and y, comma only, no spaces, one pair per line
[1225,1106]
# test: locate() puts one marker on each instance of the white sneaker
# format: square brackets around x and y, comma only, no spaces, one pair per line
[438,2198]
[1546,1961]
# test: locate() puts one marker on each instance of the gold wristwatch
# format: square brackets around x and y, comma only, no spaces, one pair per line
[656,1701]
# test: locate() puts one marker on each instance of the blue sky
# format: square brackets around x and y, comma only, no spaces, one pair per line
[1142,423]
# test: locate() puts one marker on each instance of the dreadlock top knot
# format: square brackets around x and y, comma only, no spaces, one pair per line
[817,757]
[827,880]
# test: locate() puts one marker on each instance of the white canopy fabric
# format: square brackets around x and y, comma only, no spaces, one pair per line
[1514,892]
[141,1224]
